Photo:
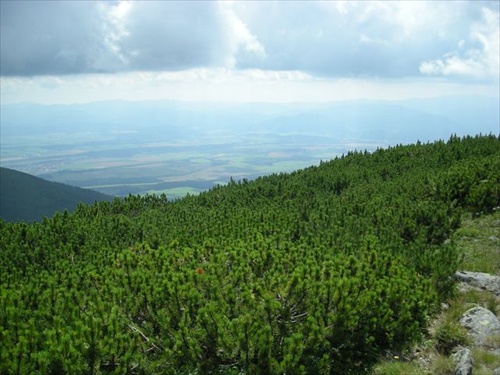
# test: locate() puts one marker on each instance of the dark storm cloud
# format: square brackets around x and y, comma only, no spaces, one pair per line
[71,37]
[39,37]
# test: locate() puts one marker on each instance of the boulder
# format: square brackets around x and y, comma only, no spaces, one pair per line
[481,324]
[480,280]
[464,362]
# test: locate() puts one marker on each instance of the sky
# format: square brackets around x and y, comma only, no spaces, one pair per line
[242,51]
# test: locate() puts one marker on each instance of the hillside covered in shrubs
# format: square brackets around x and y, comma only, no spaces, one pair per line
[24,197]
[320,271]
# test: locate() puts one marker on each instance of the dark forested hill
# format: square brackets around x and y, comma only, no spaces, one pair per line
[320,271]
[24,197]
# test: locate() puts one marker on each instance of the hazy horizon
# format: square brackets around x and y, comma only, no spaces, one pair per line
[120,147]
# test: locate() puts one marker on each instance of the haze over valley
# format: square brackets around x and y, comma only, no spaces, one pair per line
[121,148]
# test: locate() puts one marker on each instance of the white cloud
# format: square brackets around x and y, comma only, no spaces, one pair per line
[241,40]
[113,28]
[481,62]
[354,38]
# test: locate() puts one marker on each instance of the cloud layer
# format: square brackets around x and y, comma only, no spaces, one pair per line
[331,39]
[482,60]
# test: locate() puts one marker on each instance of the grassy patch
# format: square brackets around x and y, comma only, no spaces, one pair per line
[480,240]
[443,365]
[449,335]
[466,300]
[398,368]
[484,361]
[175,193]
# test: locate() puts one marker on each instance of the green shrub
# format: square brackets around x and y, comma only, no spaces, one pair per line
[319,271]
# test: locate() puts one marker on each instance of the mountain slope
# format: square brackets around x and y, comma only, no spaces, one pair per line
[24,197]
[321,271]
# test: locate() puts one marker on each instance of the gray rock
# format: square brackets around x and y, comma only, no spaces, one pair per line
[464,362]
[481,324]
[496,371]
[480,280]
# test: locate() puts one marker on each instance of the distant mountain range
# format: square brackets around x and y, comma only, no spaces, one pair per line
[399,121]
[24,197]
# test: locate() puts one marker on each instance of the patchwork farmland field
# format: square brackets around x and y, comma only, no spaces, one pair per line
[117,165]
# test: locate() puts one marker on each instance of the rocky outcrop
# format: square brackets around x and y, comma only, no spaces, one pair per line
[464,362]
[480,280]
[481,324]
